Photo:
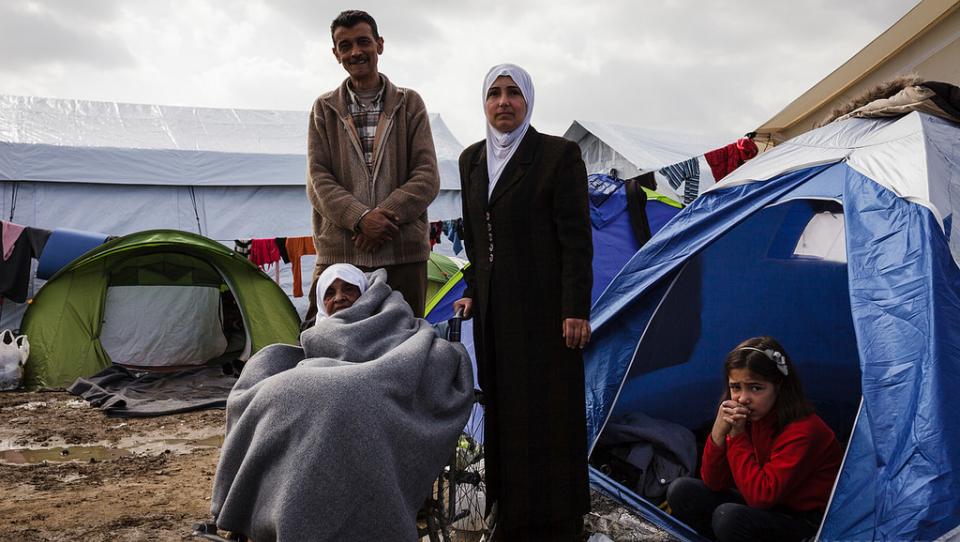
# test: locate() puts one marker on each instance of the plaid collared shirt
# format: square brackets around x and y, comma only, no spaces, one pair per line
[366,120]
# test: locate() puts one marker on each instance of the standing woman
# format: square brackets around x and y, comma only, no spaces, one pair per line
[527,234]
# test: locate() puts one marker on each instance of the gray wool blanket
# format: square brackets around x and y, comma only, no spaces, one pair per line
[343,438]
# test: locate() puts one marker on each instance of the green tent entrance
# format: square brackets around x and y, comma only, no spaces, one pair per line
[154,298]
[440,269]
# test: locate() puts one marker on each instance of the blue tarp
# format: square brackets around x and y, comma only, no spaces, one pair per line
[724,270]
[613,239]
[614,242]
[442,311]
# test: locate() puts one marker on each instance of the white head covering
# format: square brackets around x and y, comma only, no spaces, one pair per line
[501,146]
[346,273]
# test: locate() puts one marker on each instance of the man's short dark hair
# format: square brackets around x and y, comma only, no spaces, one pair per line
[353,17]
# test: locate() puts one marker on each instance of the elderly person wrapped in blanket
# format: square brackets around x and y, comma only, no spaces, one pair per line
[342,439]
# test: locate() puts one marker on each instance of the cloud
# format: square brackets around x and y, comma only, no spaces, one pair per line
[398,22]
[709,70]
[706,67]
[59,35]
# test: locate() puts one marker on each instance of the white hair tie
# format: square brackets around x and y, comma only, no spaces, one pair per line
[773,355]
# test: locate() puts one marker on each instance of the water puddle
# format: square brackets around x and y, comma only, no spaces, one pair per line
[94,453]
[27,456]
[177,445]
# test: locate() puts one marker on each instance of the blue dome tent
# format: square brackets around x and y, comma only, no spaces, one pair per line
[842,244]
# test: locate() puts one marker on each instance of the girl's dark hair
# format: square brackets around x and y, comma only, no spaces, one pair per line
[790,405]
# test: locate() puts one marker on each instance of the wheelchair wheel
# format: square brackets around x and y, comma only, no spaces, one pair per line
[467,493]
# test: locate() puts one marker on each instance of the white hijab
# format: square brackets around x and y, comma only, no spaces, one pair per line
[501,146]
[343,271]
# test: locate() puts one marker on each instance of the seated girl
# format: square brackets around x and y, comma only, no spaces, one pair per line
[342,438]
[770,462]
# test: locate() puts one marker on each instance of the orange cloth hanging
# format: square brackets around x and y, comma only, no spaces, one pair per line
[297,247]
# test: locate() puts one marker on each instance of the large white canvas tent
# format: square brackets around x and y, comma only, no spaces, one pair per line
[627,151]
[121,168]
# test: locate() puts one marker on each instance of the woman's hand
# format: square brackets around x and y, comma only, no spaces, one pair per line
[576,332]
[731,421]
[466,304]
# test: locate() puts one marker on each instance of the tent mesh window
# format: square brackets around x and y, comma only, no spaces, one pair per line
[810,230]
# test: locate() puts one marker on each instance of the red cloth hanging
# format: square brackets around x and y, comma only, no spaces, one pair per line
[726,159]
[264,252]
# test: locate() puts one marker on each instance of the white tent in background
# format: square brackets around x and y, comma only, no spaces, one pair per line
[629,151]
[119,168]
[447,205]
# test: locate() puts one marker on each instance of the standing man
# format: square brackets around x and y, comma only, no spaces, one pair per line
[372,168]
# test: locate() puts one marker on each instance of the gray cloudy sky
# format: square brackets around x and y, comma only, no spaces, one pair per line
[706,67]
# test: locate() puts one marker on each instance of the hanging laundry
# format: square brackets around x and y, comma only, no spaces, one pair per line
[298,247]
[436,230]
[453,229]
[701,172]
[726,159]
[242,247]
[686,173]
[38,238]
[282,247]
[11,233]
[15,270]
[264,252]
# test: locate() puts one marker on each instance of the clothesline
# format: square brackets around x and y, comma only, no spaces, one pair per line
[20,246]
[720,162]
[453,229]
[265,252]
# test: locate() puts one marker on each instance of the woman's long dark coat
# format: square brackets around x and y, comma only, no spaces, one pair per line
[530,250]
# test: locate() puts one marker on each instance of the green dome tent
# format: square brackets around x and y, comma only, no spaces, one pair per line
[440,269]
[182,272]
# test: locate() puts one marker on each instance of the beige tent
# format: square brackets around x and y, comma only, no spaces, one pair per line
[925,41]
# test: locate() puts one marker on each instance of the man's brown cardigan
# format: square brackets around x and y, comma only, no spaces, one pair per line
[340,187]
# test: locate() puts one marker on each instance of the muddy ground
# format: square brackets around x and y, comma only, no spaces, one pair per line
[68,472]
[88,477]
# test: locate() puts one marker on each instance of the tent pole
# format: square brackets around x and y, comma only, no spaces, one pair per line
[196,212]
